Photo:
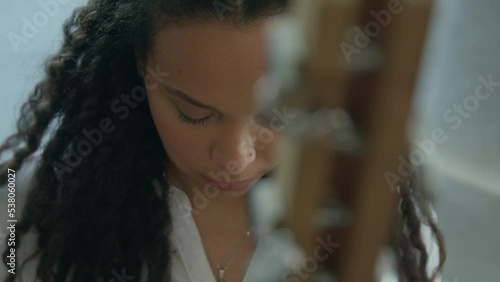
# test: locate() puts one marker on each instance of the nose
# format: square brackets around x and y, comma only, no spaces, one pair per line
[234,149]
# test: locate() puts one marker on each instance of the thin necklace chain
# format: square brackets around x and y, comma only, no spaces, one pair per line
[222,270]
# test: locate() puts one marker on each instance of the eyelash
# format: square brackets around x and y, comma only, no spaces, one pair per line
[182,117]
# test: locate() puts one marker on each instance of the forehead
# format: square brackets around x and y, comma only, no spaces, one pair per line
[213,62]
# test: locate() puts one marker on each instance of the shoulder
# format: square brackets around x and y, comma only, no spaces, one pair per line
[19,185]
[12,201]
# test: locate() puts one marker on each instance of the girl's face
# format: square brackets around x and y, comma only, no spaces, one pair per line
[200,81]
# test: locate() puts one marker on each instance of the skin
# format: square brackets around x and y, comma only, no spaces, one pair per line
[217,65]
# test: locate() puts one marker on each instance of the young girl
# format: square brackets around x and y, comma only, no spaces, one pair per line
[146,174]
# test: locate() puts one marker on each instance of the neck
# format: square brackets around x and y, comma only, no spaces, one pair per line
[223,212]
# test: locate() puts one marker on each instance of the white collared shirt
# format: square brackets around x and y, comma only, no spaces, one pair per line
[274,252]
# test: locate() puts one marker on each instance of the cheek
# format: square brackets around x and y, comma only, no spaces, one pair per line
[182,148]
[275,150]
[268,145]
[183,145]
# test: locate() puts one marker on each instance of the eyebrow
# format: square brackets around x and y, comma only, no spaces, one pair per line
[178,93]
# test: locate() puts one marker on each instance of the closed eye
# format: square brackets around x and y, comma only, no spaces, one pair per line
[186,119]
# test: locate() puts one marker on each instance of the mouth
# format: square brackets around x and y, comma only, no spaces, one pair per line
[233,185]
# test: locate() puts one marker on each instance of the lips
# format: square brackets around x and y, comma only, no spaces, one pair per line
[235,185]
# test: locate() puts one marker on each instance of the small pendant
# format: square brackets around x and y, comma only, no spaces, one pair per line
[221,275]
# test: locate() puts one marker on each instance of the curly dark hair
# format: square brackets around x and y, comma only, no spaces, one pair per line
[88,211]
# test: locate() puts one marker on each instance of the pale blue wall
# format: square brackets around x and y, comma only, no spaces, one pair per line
[21,66]
[464,43]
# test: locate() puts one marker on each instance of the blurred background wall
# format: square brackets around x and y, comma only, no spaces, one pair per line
[463,171]
[30,31]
